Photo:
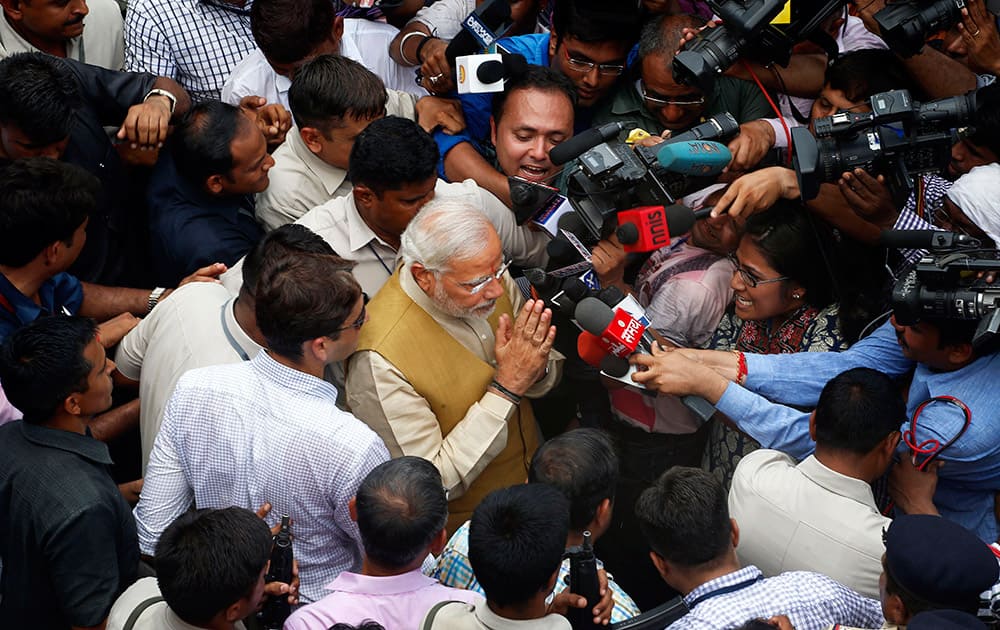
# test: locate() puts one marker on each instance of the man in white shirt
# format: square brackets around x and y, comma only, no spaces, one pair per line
[290,32]
[90,31]
[268,430]
[820,515]
[201,324]
[333,99]
[392,166]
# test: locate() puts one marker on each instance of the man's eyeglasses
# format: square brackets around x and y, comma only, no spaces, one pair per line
[583,66]
[474,288]
[656,101]
[362,318]
[749,278]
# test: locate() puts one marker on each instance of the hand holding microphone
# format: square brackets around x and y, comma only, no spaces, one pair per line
[522,349]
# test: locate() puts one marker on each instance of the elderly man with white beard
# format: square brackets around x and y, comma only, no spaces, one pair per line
[450,354]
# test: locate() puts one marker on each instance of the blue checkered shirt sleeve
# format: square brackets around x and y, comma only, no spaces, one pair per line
[810,600]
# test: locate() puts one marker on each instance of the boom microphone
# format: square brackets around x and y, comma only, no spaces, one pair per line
[648,228]
[925,239]
[694,157]
[585,141]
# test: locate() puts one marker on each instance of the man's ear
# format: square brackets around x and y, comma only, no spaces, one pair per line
[72,404]
[895,610]
[13,9]
[553,44]
[423,276]
[364,197]
[437,545]
[352,508]
[214,184]
[736,533]
[236,611]
[493,131]
[337,29]
[662,567]
[311,137]
[812,426]
[960,354]
[51,252]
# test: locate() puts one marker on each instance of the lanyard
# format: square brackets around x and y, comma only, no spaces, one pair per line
[380,261]
[229,335]
[732,588]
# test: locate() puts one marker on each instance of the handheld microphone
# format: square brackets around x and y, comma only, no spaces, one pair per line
[648,228]
[585,141]
[697,158]
[620,333]
[481,74]
[925,239]
[480,29]
[719,127]
[590,349]
[552,290]
[614,366]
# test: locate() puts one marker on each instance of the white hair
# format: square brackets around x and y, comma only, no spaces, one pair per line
[444,231]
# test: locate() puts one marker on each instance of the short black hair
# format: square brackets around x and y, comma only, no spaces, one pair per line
[684,517]
[207,560]
[986,120]
[201,144]
[391,153]
[540,78]
[40,96]
[582,464]
[42,201]
[43,363]
[516,540]
[660,35]
[596,21]
[860,74]
[401,507]
[367,624]
[287,31]
[285,240]
[794,244]
[330,88]
[302,296]
[857,410]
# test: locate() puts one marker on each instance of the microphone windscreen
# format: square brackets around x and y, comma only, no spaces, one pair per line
[593,315]
[570,222]
[611,296]
[575,289]
[590,350]
[628,233]
[614,366]
[514,66]
[561,251]
[680,219]
[697,158]
[490,71]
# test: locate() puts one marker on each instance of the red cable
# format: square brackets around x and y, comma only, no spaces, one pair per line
[781,119]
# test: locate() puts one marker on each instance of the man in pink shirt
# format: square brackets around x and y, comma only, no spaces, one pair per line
[401,509]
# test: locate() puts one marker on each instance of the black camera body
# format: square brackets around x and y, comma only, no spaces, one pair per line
[614,176]
[905,25]
[899,138]
[746,31]
[950,283]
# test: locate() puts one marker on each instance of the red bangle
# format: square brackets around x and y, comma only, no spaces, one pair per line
[741,368]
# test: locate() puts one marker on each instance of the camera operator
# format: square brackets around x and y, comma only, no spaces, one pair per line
[972,205]
[941,356]
[654,101]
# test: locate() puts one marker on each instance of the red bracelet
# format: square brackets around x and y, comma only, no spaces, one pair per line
[741,368]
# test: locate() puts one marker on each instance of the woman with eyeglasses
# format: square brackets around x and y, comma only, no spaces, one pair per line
[783,302]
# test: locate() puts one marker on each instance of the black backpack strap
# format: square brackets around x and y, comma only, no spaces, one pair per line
[141,608]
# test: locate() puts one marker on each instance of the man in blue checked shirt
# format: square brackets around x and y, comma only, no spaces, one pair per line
[582,464]
[685,520]
[943,362]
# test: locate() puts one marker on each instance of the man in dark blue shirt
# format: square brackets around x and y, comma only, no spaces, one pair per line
[201,193]
[67,538]
[59,108]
